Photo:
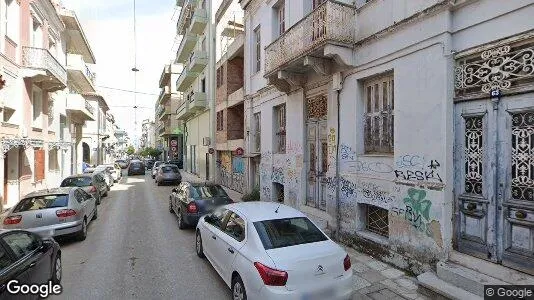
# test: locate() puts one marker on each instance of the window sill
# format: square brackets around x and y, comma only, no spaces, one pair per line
[379,239]
[37,129]
[377,155]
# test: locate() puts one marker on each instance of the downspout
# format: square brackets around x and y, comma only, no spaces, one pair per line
[338,202]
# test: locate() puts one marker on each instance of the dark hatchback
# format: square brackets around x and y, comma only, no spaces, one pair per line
[149,163]
[190,201]
[136,167]
[177,162]
[28,258]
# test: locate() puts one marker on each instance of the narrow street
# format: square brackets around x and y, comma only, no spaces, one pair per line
[134,250]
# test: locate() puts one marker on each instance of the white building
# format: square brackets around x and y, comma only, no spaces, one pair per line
[148,134]
[95,132]
[169,130]
[376,120]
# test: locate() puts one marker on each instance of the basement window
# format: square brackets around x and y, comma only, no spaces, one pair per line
[376,220]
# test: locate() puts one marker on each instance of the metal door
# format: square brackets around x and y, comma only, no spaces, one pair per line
[317,152]
[494,184]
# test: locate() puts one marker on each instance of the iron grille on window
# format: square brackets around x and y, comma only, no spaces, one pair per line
[523,156]
[377,220]
[281,18]
[257,52]
[473,155]
[281,128]
[220,121]
[379,116]
[257,132]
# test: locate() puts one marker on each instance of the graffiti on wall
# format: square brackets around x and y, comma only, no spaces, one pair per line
[413,167]
[277,175]
[346,153]
[332,145]
[360,191]
[238,165]
[349,162]
[293,147]
[265,193]
[416,210]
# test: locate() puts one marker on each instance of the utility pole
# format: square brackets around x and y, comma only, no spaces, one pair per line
[211,85]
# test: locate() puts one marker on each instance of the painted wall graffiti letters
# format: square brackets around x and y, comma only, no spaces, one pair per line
[412,167]
[360,192]
[346,153]
[418,175]
[417,210]
[332,145]
[265,193]
[293,147]
[278,175]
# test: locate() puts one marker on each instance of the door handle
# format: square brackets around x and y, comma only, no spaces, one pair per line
[32,264]
[231,250]
[213,237]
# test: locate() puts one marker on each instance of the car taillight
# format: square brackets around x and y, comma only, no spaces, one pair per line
[192,207]
[65,213]
[12,220]
[271,277]
[346,263]
[93,189]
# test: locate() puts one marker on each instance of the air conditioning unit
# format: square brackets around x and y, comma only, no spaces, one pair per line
[206,141]
[23,132]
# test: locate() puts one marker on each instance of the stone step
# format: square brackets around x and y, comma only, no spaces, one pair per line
[507,275]
[435,288]
[465,278]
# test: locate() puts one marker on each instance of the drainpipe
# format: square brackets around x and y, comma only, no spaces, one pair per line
[338,87]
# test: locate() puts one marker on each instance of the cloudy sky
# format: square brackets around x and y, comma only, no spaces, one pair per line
[109,26]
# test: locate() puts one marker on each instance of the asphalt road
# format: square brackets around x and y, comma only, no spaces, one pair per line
[134,250]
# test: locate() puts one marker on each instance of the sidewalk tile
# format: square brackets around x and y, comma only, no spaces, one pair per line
[406,283]
[359,267]
[360,283]
[392,273]
[373,288]
[358,296]
[377,265]
[373,276]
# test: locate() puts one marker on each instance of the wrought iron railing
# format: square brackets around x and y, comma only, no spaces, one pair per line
[332,21]
[90,75]
[89,107]
[38,58]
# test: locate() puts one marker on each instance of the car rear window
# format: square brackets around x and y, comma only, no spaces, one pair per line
[207,191]
[169,169]
[77,181]
[288,232]
[42,202]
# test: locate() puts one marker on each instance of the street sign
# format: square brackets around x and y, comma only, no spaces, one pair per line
[174,143]
[239,151]
[173,149]
[211,151]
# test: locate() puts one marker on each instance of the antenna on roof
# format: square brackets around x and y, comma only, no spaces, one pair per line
[276,211]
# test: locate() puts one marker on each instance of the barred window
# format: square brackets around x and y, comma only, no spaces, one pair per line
[280,130]
[281,14]
[377,220]
[379,116]
[257,132]
[257,50]
[220,121]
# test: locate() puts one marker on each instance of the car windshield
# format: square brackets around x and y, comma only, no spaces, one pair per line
[169,169]
[42,202]
[77,181]
[288,232]
[207,191]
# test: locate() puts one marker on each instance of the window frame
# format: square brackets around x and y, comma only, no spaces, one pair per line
[379,115]
[10,250]
[257,131]
[37,121]
[281,17]
[229,217]
[280,128]
[39,164]
[256,50]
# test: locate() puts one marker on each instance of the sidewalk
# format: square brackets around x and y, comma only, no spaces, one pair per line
[186,176]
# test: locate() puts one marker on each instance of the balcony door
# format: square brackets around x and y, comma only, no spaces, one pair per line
[319,27]
[316,151]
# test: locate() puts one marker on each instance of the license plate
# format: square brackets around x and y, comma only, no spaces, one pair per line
[319,295]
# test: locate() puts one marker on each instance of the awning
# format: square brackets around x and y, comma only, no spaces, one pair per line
[8,143]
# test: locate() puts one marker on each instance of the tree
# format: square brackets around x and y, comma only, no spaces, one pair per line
[130,150]
[154,152]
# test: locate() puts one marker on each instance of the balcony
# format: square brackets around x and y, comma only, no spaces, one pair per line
[43,67]
[327,32]
[183,112]
[198,61]
[79,74]
[236,97]
[164,95]
[187,45]
[185,80]
[199,20]
[79,108]
[78,43]
[197,102]
[164,111]
[179,3]
[165,77]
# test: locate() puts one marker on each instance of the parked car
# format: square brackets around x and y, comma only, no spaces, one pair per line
[266,250]
[136,167]
[190,201]
[29,259]
[177,162]
[56,212]
[149,163]
[155,168]
[122,163]
[106,175]
[94,184]
[168,174]
[89,170]
[113,169]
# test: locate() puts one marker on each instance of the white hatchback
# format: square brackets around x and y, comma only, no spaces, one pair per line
[265,250]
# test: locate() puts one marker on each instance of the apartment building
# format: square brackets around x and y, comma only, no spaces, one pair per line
[229,138]
[95,131]
[383,127]
[169,127]
[148,134]
[194,83]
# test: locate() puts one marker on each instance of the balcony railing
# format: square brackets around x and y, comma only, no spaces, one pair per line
[90,75]
[332,22]
[89,107]
[38,58]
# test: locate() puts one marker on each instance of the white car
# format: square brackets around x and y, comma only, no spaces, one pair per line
[155,168]
[265,250]
[115,170]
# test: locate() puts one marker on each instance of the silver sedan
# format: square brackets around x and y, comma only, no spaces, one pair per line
[54,212]
[168,174]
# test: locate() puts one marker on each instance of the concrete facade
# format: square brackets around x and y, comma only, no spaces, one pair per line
[169,128]
[390,188]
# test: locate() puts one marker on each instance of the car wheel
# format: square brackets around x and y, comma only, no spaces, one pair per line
[58,270]
[95,216]
[198,245]
[238,289]
[170,206]
[181,224]
[106,193]
[82,234]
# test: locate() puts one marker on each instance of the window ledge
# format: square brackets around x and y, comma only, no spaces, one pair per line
[376,155]
[373,237]
[37,129]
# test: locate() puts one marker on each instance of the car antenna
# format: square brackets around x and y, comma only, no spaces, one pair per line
[276,210]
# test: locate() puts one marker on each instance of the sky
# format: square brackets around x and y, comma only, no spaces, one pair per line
[109,27]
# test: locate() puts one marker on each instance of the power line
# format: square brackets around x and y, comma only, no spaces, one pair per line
[128,91]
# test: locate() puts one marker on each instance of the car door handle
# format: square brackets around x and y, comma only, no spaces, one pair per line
[213,237]
[32,264]
[231,250]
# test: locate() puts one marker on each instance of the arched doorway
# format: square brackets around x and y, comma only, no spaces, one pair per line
[86,152]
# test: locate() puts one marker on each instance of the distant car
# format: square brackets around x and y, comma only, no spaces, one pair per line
[55,212]
[168,174]
[29,259]
[265,250]
[177,162]
[94,184]
[114,170]
[107,176]
[190,201]
[122,163]
[136,167]
[155,168]
[89,170]
[149,163]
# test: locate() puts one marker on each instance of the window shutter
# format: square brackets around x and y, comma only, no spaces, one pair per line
[39,164]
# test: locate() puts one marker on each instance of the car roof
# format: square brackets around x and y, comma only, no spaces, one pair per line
[53,191]
[80,175]
[205,183]
[259,211]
